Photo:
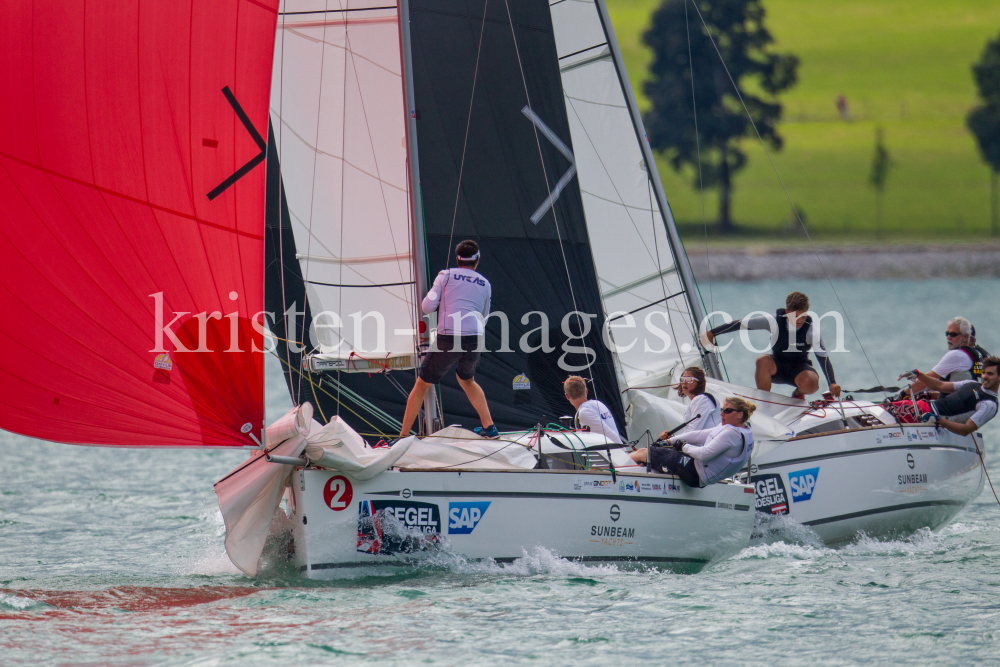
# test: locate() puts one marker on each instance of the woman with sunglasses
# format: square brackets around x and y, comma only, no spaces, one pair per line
[707,456]
[692,387]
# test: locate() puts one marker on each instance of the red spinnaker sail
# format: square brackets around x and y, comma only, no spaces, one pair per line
[132,176]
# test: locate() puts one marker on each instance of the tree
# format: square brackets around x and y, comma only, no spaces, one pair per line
[880,170]
[743,41]
[984,120]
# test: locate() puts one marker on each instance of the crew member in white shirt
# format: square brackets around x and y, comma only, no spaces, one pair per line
[964,397]
[958,361]
[702,408]
[704,457]
[590,413]
[462,298]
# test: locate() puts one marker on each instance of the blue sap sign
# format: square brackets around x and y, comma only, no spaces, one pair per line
[803,482]
[463,517]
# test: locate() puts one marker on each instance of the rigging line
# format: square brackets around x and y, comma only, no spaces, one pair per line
[343,144]
[621,200]
[701,184]
[312,191]
[340,158]
[666,299]
[787,194]
[315,398]
[697,143]
[337,11]
[378,173]
[367,405]
[465,142]
[292,368]
[281,240]
[548,187]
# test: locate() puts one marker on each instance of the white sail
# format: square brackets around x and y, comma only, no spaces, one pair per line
[337,113]
[637,267]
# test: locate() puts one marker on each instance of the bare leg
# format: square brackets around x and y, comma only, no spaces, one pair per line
[639,455]
[413,403]
[765,369]
[478,400]
[806,382]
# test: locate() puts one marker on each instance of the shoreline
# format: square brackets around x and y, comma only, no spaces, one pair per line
[768,261]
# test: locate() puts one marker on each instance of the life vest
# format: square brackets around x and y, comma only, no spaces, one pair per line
[975,372]
[722,467]
[962,400]
[799,353]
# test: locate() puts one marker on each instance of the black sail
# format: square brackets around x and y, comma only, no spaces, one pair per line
[510,167]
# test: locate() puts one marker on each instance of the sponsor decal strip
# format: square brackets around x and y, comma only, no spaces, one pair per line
[505,559]
[836,455]
[530,494]
[571,496]
[880,510]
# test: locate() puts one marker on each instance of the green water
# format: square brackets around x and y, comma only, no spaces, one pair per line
[115,557]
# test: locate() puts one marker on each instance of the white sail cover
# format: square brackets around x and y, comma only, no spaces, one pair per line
[636,265]
[338,117]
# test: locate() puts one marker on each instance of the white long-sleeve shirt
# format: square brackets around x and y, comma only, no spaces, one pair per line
[710,414]
[463,296]
[598,417]
[707,444]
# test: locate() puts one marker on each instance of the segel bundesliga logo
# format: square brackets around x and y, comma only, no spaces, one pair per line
[397,526]
[771,497]
[803,482]
[463,517]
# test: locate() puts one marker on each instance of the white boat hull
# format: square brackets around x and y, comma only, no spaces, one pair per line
[885,482]
[501,515]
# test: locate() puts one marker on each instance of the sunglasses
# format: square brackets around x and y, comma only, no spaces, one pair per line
[689,380]
[952,334]
[726,411]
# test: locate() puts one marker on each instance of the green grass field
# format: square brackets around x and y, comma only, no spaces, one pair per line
[904,65]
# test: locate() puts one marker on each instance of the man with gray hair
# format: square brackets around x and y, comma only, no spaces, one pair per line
[960,359]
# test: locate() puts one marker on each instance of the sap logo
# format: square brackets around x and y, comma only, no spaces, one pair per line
[463,517]
[803,482]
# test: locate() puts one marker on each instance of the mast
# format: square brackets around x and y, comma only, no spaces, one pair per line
[431,409]
[683,266]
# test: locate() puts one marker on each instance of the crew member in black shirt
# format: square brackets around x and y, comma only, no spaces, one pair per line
[788,361]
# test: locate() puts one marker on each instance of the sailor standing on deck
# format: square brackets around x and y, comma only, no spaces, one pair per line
[462,298]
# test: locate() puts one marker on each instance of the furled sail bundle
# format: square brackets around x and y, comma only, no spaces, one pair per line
[131,236]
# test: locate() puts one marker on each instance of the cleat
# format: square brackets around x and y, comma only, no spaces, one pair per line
[490,433]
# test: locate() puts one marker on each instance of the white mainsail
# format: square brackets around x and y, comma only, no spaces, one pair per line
[637,266]
[337,112]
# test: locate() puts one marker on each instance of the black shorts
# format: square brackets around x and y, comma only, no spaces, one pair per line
[672,462]
[788,371]
[461,356]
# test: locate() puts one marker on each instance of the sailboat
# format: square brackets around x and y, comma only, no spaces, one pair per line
[169,170]
[843,468]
